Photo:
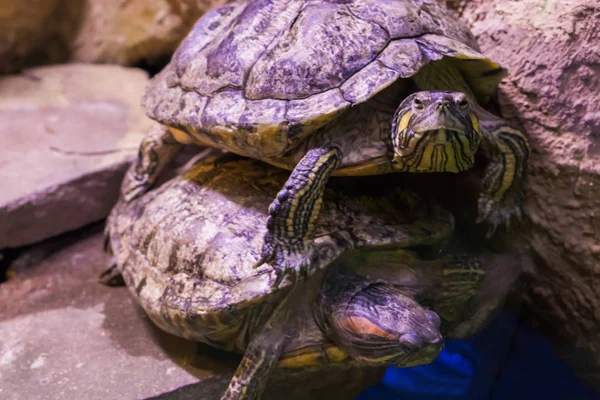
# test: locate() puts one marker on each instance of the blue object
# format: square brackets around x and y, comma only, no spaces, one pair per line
[507,360]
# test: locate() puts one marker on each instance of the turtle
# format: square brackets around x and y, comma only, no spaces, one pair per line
[343,88]
[186,250]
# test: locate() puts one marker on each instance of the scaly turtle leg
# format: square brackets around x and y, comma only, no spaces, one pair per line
[507,150]
[502,273]
[110,276]
[157,149]
[254,370]
[292,215]
[264,349]
[461,279]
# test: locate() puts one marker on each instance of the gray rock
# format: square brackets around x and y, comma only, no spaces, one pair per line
[63,335]
[67,134]
[553,92]
[121,32]
[26,27]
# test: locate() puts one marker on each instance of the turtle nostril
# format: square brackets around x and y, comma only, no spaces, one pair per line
[412,340]
[436,340]
[445,103]
[434,319]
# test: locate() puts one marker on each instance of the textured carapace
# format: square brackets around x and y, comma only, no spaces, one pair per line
[245,79]
[187,249]
[275,80]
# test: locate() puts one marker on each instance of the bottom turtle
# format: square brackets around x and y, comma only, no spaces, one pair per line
[186,251]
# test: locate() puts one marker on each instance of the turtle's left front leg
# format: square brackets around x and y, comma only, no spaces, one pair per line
[507,150]
[253,372]
[157,149]
[268,337]
[293,213]
[502,272]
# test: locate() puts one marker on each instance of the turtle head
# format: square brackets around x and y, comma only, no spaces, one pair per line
[435,131]
[381,325]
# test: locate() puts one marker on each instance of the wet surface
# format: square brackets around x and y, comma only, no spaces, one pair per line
[64,335]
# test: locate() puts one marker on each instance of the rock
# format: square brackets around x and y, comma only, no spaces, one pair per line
[130,32]
[26,27]
[553,91]
[67,134]
[64,335]
[94,31]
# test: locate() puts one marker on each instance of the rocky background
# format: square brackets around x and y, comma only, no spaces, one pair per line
[552,51]
[125,32]
[66,180]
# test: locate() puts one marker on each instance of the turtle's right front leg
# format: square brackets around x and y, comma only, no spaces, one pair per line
[157,149]
[292,215]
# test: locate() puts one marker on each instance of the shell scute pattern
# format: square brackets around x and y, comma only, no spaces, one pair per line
[343,46]
[225,63]
[361,86]
[212,24]
[276,90]
[403,56]
[187,249]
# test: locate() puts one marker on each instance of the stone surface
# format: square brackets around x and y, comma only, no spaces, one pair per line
[67,133]
[552,51]
[129,32]
[97,31]
[63,335]
[27,26]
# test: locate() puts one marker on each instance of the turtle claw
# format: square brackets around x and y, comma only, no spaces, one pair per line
[491,230]
[496,214]
[133,188]
[292,261]
[106,246]
[280,273]
[112,276]
[296,266]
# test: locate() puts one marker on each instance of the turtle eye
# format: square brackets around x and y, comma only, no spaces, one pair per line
[463,103]
[418,104]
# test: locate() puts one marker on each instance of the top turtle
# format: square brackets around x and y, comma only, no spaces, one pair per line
[324,87]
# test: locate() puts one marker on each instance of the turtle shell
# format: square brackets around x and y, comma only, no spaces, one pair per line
[256,77]
[187,249]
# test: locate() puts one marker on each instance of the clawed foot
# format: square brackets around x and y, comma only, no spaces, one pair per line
[496,213]
[293,259]
[294,212]
[156,150]
[134,185]
[112,276]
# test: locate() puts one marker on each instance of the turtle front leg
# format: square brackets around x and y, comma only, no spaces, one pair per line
[508,150]
[268,339]
[111,276]
[253,372]
[462,278]
[502,272]
[157,149]
[292,215]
